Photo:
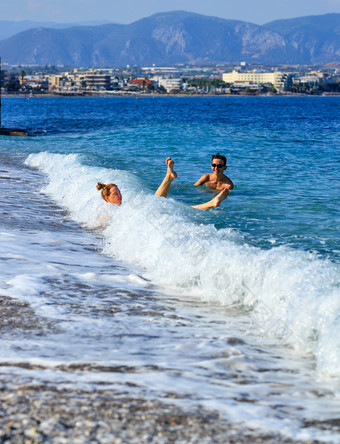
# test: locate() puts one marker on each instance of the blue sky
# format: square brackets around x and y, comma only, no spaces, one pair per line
[127,11]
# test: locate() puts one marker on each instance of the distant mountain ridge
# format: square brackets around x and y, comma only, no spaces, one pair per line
[9,28]
[180,37]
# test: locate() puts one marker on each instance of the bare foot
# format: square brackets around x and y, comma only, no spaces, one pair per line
[220,197]
[170,164]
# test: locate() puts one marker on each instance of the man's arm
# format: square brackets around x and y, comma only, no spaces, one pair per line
[202,180]
[215,202]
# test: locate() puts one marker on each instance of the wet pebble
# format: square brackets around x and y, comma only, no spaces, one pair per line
[36,415]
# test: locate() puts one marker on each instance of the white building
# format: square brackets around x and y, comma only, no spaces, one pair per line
[241,84]
[309,79]
[168,83]
[280,80]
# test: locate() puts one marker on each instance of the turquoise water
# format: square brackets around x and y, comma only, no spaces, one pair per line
[283,155]
[236,309]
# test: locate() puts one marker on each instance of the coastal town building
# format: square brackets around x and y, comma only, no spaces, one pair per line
[306,80]
[37,82]
[96,80]
[159,69]
[280,80]
[313,78]
[242,84]
[56,82]
[142,83]
[169,84]
[92,80]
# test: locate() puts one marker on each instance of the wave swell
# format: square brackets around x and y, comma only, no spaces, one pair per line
[288,294]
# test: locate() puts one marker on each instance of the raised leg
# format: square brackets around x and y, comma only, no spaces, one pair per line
[163,189]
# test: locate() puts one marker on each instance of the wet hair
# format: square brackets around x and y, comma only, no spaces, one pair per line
[219,156]
[106,189]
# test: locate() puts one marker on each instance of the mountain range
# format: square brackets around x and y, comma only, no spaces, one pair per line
[179,37]
[9,28]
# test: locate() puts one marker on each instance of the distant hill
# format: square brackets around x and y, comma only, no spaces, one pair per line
[327,23]
[180,37]
[9,28]
[316,38]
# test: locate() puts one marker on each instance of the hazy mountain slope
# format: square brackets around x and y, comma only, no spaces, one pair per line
[327,23]
[10,28]
[315,38]
[179,37]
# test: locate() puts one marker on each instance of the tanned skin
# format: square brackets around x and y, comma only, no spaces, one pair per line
[171,175]
[216,180]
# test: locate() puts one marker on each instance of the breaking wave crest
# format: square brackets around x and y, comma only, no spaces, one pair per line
[289,294]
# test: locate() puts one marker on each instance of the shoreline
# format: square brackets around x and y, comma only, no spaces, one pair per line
[33,413]
[141,95]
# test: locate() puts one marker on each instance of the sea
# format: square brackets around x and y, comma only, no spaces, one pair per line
[235,310]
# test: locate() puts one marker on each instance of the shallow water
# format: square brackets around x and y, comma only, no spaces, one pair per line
[236,309]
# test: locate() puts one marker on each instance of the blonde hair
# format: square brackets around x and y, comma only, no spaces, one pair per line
[106,189]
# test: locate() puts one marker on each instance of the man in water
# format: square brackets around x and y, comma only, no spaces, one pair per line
[171,175]
[217,179]
[111,193]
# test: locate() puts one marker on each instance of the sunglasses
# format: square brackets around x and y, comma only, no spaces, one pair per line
[217,165]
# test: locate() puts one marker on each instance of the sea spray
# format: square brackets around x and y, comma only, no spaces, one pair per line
[286,293]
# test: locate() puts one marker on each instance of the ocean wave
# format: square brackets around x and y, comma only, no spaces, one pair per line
[288,294]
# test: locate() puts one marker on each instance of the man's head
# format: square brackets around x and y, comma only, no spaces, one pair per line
[219,163]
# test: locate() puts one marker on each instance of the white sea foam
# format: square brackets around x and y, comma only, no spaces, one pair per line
[289,294]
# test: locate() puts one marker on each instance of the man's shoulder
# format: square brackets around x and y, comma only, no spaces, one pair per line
[230,182]
[206,177]
[202,180]
[227,179]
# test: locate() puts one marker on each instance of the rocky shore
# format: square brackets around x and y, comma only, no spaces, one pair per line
[33,412]
[43,414]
